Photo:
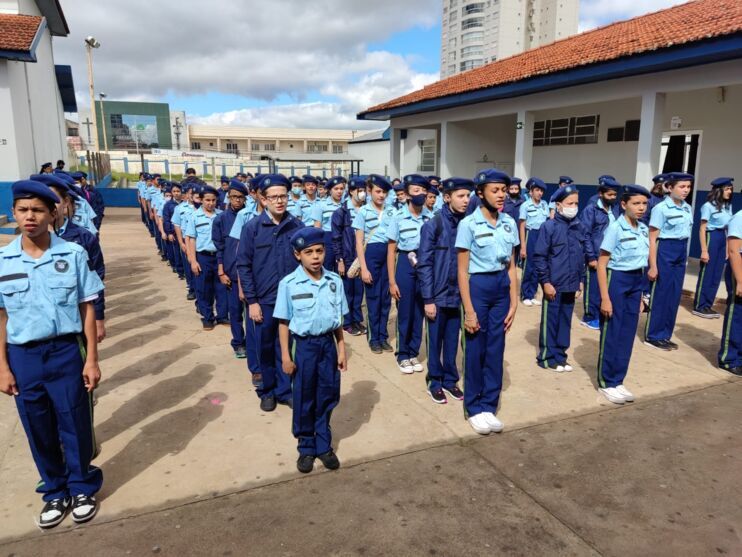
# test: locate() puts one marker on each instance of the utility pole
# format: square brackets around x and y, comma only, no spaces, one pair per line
[177,133]
[90,44]
[103,117]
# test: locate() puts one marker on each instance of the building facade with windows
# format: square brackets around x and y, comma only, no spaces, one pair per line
[477,33]
[418,148]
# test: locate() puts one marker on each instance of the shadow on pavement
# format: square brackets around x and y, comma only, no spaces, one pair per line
[354,410]
[701,340]
[137,322]
[134,302]
[136,341]
[586,355]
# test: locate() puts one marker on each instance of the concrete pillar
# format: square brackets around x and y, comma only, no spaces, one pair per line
[395,146]
[306,145]
[329,146]
[219,144]
[523,144]
[650,138]
[444,167]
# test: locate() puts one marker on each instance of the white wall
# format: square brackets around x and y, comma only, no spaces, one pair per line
[9,169]
[468,143]
[411,150]
[375,156]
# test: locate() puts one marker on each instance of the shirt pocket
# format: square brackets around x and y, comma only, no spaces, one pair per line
[15,292]
[303,304]
[63,290]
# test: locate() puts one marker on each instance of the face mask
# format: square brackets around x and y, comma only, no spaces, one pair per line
[197,204]
[418,200]
[296,191]
[361,196]
[487,205]
[569,212]
[607,202]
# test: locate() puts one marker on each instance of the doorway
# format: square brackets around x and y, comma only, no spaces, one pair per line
[680,153]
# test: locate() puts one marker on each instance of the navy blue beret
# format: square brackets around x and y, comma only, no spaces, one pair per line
[679,177]
[416,180]
[52,180]
[433,189]
[515,181]
[65,177]
[399,186]
[357,182]
[209,189]
[434,179]
[26,189]
[46,164]
[565,180]
[634,189]
[308,179]
[168,188]
[236,185]
[660,178]
[605,177]
[269,180]
[295,179]
[491,176]
[722,182]
[562,193]
[224,179]
[335,180]
[611,183]
[147,176]
[535,183]
[156,176]
[176,185]
[197,189]
[453,184]
[380,181]
[306,237]
[79,175]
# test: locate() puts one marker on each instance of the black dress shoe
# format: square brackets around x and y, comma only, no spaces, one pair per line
[670,344]
[288,402]
[734,370]
[191,296]
[330,460]
[268,404]
[376,348]
[305,463]
[386,347]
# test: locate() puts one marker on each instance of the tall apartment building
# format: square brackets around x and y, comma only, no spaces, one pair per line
[476,33]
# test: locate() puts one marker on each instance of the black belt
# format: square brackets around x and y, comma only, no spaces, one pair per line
[212,253]
[71,337]
[328,333]
[407,251]
[633,272]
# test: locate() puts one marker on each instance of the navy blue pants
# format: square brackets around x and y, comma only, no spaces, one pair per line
[709,277]
[315,392]
[150,224]
[667,289]
[354,294]
[529,281]
[591,296]
[236,315]
[442,346]
[329,263]
[617,333]
[275,382]
[177,258]
[485,349]
[730,353]
[378,299]
[209,289]
[190,279]
[144,219]
[410,311]
[554,334]
[57,414]
[169,252]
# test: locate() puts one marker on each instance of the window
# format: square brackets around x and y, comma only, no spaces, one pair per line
[453,16]
[452,56]
[427,156]
[475,8]
[72,132]
[451,69]
[472,51]
[315,147]
[337,149]
[472,22]
[470,64]
[255,147]
[232,148]
[269,147]
[577,130]
[630,132]
[452,42]
[472,37]
[196,145]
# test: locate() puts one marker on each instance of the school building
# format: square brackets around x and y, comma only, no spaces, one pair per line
[660,92]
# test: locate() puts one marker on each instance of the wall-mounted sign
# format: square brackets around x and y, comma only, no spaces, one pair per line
[519,125]
[676,122]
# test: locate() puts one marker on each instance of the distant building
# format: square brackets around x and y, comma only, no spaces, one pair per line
[130,126]
[418,148]
[476,33]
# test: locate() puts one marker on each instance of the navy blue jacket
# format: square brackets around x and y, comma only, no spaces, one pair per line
[343,235]
[595,221]
[474,203]
[559,255]
[167,216]
[221,199]
[86,239]
[654,200]
[511,207]
[95,198]
[265,256]
[437,264]
[226,246]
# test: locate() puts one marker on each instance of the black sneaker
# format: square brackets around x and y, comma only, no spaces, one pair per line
[223,322]
[191,296]
[54,512]
[208,325]
[83,508]
[658,344]
[376,348]
[181,277]
[257,379]
[330,460]
[268,404]
[288,402]
[240,353]
[355,330]
[361,327]
[455,392]
[305,463]
[670,344]
[438,396]
[706,313]
[386,347]
[733,370]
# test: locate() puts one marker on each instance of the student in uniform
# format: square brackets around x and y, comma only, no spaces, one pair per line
[264,257]
[49,353]
[140,194]
[310,305]
[595,219]
[370,224]
[399,199]
[715,216]
[564,181]
[159,206]
[403,236]
[92,196]
[226,259]
[173,243]
[322,214]
[309,199]
[669,229]
[144,199]
[533,213]
[514,199]
[222,202]
[179,221]
[344,247]
[204,264]
[84,214]
[559,261]
[624,253]
[437,271]
[486,241]
[297,190]
[730,352]
[431,200]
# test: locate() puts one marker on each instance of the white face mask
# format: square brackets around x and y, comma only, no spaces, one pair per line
[361,196]
[569,212]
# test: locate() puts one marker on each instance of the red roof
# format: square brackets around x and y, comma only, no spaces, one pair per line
[687,23]
[17,32]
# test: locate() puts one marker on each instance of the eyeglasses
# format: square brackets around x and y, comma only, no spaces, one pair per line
[240,197]
[275,198]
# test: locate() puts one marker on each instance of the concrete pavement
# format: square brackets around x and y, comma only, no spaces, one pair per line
[179,422]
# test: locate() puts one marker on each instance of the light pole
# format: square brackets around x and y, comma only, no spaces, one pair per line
[90,44]
[103,117]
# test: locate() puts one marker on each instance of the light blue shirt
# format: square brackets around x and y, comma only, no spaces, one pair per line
[199,227]
[404,228]
[177,218]
[369,219]
[490,247]
[438,203]
[311,307]
[628,246]
[161,205]
[245,214]
[294,206]
[186,215]
[734,229]
[84,215]
[140,187]
[673,221]
[611,214]
[534,215]
[149,191]
[716,219]
[41,296]
[322,213]
[306,206]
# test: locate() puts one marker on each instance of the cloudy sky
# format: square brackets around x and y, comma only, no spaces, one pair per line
[283,63]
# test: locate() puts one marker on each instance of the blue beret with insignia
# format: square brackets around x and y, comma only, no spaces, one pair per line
[416,180]
[27,189]
[515,181]
[605,177]
[269,180]
[79,175]
[722,182]
[225,179]
[168,188]
[209,189]
[563,193]
[635,189]
[295,179]
[335,180]
[46,165]
[236,185]
[309,179]
[491,176]
[566,180]
[679,177]
[306,237]
[357,182]
[453,184]
[610,183]
[660,178]
[535,183]
[434,179]
[52,180]
[380,181]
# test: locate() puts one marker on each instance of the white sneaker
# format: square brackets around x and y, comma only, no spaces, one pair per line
[613,395]
[528,303]
[558,369]
[416,365]
[405,366]
[479,424]
[567,367]
[495,424]
[536,302]
[627,394]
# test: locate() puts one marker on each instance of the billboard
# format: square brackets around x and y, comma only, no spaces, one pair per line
[133,131]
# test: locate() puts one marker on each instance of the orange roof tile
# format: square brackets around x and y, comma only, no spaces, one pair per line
[691,22]
[17,32]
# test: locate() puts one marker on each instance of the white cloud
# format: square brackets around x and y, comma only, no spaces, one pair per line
[596,13]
